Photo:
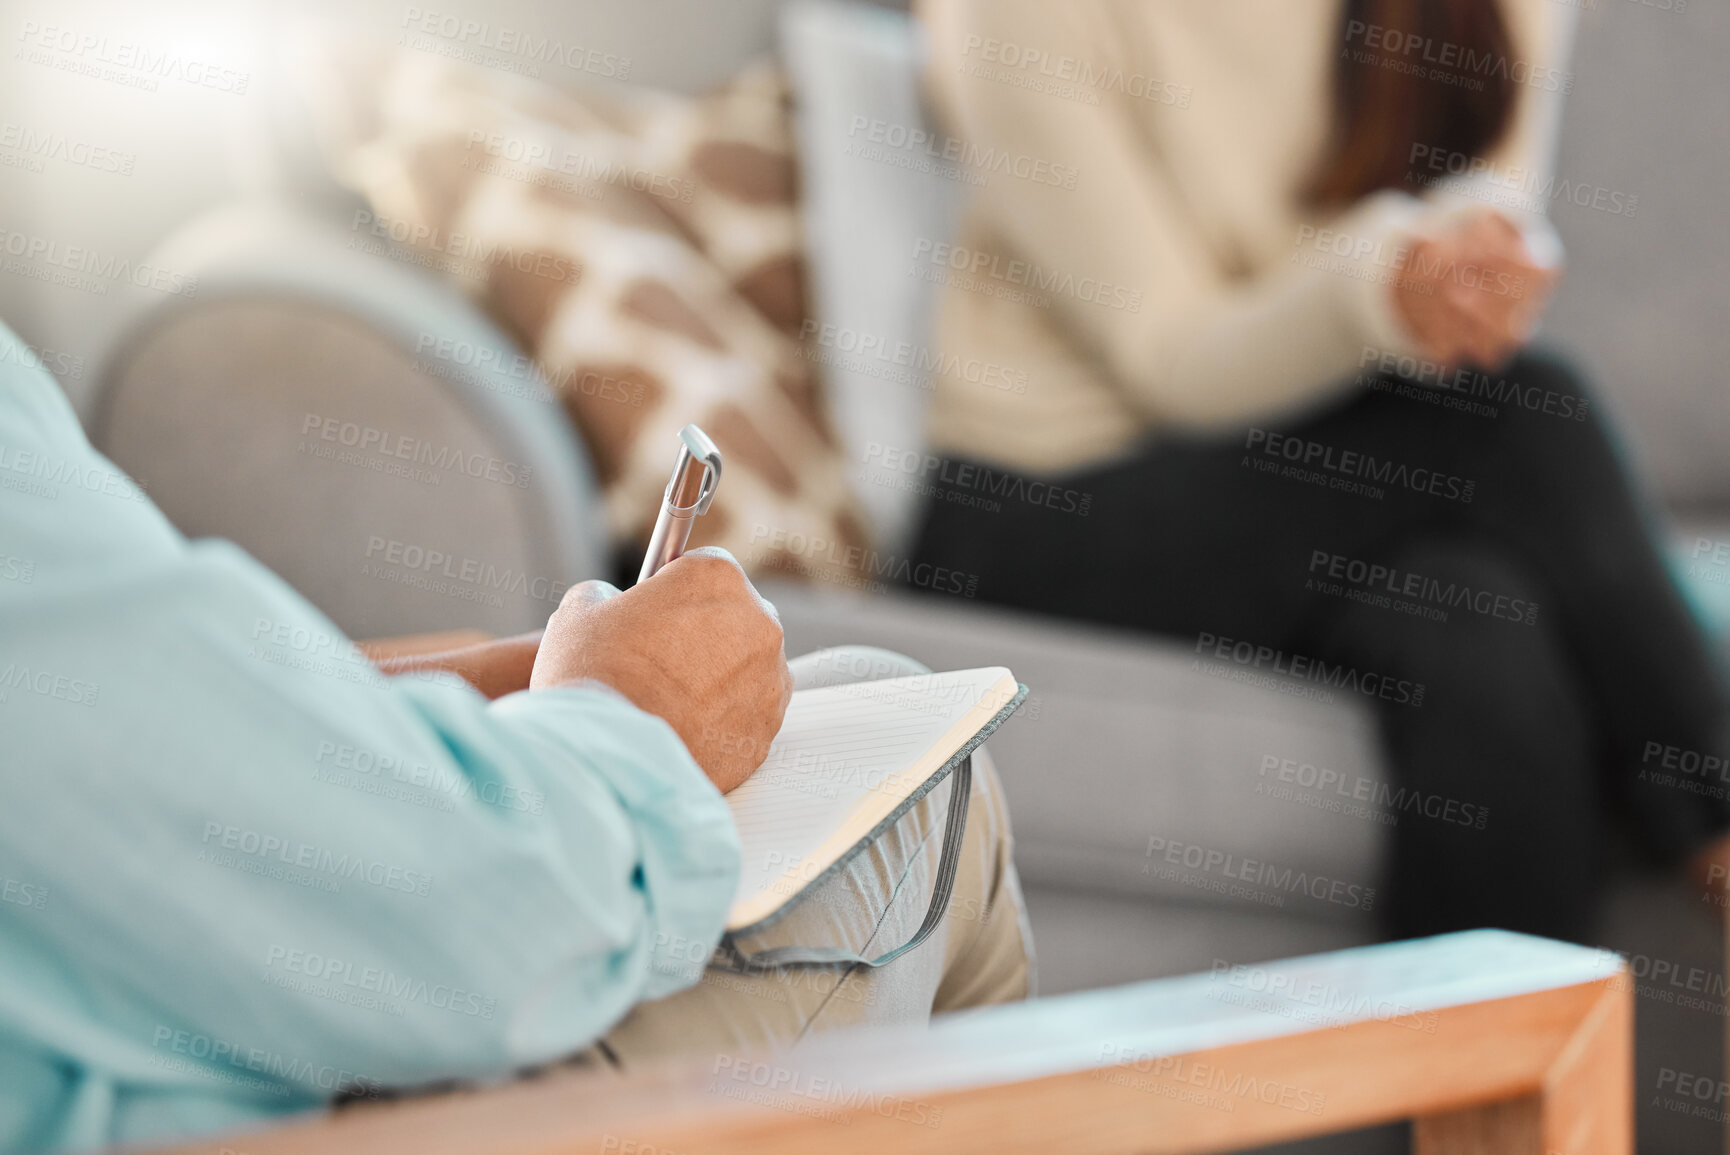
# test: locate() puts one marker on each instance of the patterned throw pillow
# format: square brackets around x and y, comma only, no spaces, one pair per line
[646,252]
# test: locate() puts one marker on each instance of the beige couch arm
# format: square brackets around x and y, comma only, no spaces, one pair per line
[1493,1042]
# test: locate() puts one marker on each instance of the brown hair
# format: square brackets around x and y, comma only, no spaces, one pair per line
[1433,73]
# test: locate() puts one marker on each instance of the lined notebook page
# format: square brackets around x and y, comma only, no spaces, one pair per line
[845,758]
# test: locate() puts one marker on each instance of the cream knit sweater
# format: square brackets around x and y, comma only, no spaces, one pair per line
[1153,264]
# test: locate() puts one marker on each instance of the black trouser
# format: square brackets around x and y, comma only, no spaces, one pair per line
[1344,537]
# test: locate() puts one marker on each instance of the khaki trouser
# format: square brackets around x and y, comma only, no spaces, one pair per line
[981,952]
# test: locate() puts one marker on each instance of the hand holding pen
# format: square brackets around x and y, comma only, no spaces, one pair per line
[699,648]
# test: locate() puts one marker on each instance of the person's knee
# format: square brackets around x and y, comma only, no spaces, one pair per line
[1495,670]
[1459,624]
[1471,579]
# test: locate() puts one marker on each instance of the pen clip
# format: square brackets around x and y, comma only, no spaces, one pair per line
[696,444]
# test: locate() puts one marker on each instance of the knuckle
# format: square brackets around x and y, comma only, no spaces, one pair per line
[703,565]
[720,575]
[572,595]
[769,640]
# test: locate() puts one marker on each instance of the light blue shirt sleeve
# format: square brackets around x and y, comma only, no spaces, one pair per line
[240,871]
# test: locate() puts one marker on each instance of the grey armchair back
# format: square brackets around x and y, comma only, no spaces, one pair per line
[356,425]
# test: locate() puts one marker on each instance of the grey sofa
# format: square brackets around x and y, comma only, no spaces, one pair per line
[225,406]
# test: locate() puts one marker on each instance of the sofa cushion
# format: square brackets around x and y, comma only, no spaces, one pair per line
[1083,939]
[1131,768]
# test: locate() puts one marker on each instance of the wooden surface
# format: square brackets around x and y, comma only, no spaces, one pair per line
[1495,1042]
[1584,1105]
[1512,1125]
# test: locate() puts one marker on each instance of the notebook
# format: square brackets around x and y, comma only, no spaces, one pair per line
[848,762]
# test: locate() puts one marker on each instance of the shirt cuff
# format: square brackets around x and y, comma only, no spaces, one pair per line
[688,846]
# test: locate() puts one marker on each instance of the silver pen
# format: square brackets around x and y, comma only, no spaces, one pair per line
[696,474]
